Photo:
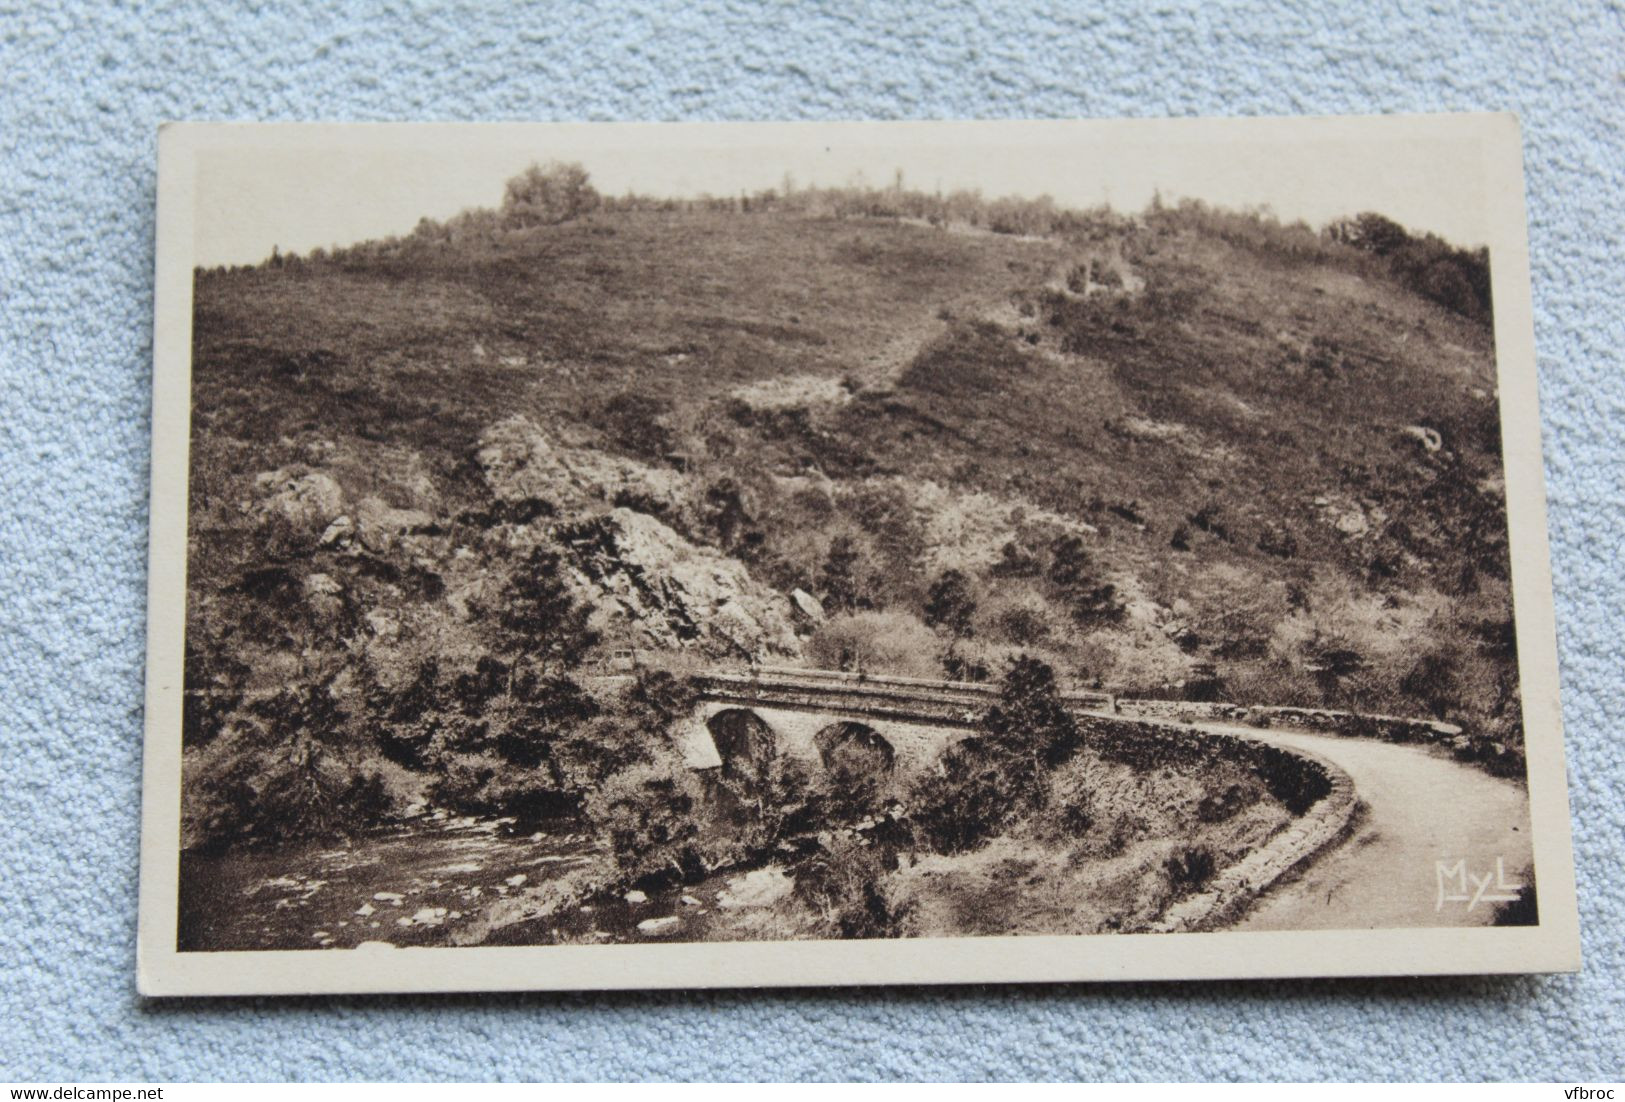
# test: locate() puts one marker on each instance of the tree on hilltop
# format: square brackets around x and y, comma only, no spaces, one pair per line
[544,195]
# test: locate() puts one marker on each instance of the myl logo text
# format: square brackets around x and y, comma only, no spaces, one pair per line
[1457,884]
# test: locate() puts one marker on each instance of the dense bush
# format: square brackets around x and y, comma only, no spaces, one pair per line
[875,642]
[840,580]
[843,881]
[636,423]
[950,605]
[654,817]
[971,358]
[987,781]
[1457,279]
[1189,868]
[544,195]
[280,773]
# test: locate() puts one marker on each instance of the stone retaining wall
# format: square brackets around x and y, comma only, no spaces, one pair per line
[1224,898]
[1357,724]
[1180,709]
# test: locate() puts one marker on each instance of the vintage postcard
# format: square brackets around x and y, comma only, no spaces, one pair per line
[670,555]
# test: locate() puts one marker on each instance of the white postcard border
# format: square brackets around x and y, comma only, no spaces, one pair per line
[1553,945]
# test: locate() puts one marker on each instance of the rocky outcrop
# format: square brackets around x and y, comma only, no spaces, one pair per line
[650,578]
[647,582]
[519,463]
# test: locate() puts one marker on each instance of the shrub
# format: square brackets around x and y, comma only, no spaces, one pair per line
[960,667]
[489,785]
[1092,602]
[987,781]
[839,578]
[1189,868]
[1073,808]
[886,513]
[653,816]
[1433,682]
[1069,562]
[1278,541]
[979,790]
[1096,605]
[544,195]
[539,618]
[214,689]
[843,882]
[636,424]
[878,642]
[1016,561]
[1030,720]
[279,774]
[1022,624]
[950,604]
[1217,807]
[1457,279]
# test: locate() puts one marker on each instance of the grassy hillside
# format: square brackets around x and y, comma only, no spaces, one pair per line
[1191,454]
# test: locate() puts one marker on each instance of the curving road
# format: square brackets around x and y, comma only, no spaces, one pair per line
[1419,809]
[1428,826]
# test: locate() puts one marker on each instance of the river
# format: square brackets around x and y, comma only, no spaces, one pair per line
[420,882]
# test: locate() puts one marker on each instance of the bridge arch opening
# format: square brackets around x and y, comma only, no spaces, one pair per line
[745,743]
[855,751]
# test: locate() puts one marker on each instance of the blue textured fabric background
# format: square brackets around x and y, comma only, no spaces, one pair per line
[82,91]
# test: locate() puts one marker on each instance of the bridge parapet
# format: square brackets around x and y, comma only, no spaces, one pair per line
[913,717]
[884,689]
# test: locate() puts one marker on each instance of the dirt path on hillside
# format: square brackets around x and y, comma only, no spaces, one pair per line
[1419,809]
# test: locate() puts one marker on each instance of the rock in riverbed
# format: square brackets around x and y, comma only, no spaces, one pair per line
[761,888]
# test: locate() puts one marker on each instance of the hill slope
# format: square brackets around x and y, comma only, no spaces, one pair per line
[1186,454]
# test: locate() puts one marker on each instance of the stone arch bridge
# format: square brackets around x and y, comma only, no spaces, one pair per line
[836,720]
[842,722]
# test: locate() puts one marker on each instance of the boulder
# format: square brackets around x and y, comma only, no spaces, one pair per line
[1430,439]
[308,500]
[338,534]
[760,888]
[806,606]
[381,525]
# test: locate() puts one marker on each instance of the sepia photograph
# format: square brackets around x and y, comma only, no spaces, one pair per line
[673,555]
